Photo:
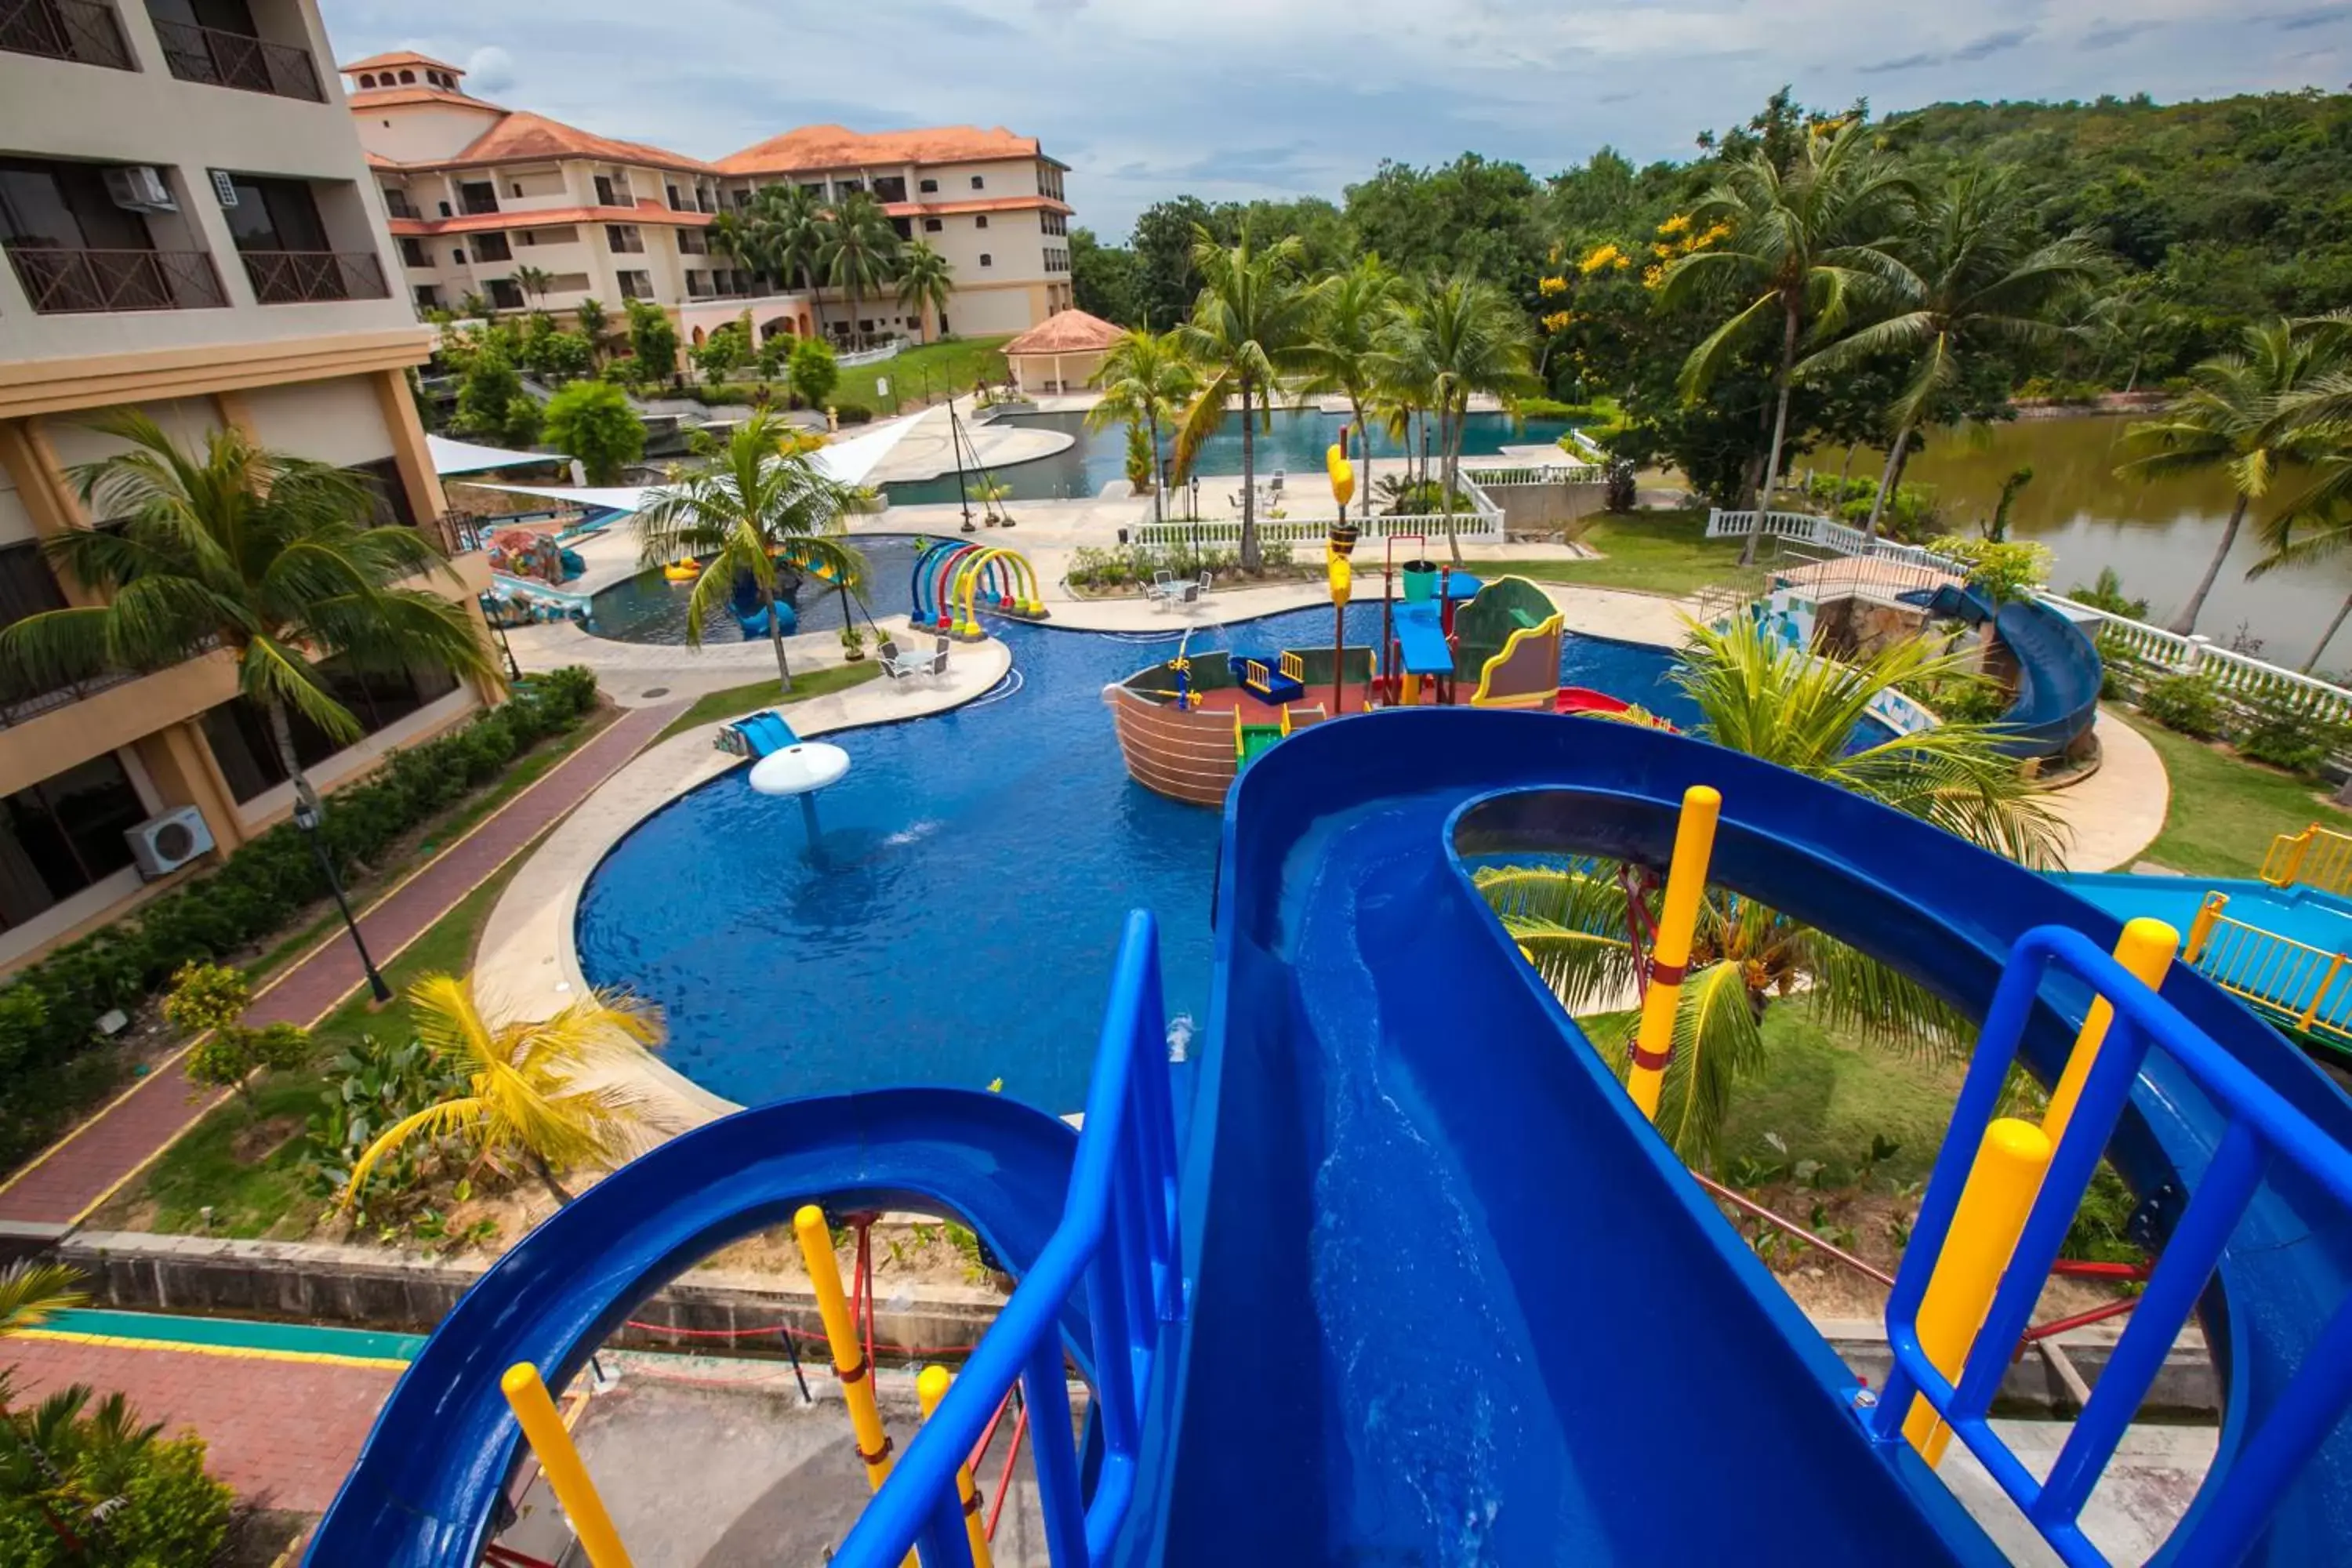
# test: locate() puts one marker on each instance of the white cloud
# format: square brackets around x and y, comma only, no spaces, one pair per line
[1148,97]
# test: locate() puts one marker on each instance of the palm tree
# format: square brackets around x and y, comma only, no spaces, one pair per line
[791,223]
[2231,419]
[859,252]
[1777,702]
[2329,538]
[1974,276]
[738,515]
[550,1094]
[1460,338]
[742,241]
[1801,244]
[534,281]
[1145,380]
[32,1293]
[1249,325]
[925,284]
[266,556]
[1345,353]
[589,314]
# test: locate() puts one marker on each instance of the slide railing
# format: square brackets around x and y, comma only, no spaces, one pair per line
[2316,857]
[1117,1240]
[2291,980]
[2262,1130]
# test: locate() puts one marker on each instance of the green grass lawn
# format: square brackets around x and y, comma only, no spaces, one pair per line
[245,1160]
[737,700]
[1826,1099]
[2225,812]
[1652,551]
[932,371]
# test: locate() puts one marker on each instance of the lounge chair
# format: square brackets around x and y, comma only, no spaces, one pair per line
[900,666]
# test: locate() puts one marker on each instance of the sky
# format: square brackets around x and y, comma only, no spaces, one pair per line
[1237,98]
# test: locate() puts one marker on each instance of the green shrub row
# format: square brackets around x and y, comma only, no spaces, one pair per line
[2268,731]
[1122,566]
[49,1011]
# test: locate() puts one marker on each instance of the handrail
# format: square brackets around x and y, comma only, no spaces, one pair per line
[1117,1238]
[2262,1127]
[2293,981]
[217,57]
[2317,858]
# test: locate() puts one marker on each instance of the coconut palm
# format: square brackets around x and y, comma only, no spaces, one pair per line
[1145,380]
[1974,276]
[534,281]
[738,238]
[736,516]
[1344,353]
[593,323]
[1249,325]
[791,225]
[1456,339]
[2309,538]
[859,251]
[32,1293]
[549,1094]
[1803,242]
[267,556]
[925,284]
[2230,419]
[1760,696]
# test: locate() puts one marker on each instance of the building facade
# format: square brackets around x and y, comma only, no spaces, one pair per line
[190,231]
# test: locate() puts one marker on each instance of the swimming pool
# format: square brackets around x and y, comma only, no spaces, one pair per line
[648,608]
[1295,443]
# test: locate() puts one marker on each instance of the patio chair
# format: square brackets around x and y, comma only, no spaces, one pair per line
[903,666]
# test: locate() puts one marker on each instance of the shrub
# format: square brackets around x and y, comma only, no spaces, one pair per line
[2007,571]
[2107,594]
[1619,491]
[591,420]
[2187,703]
[232,1053]
[2296,743]
[160,1507]
[854,414]
[49,1012]
[369,1088]
[813,371]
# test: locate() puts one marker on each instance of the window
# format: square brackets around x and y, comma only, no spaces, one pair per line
[692,242]
[604,196]
[28,587]
[844,187]
[395,203]
[623,236]
[986,259]
[411,252]
[457,254]
[514,187]
[904,227]
[813,187]
[382,477]
[742,199]
[445,205]
[527,236]
[927,187]
[980,222]
[492,247]
[636,285]
[978,184]
[366,80]
[505,293]
[275,216]
[933,226]
[890,188]
[238,732]
[408,79]
[479,196]
[64,833]
[428,297]
[677,202]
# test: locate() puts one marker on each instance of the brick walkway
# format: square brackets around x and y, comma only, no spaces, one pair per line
[281,1432]
[83,1169]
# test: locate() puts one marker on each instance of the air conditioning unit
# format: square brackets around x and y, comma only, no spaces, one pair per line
[140,187]
[162,845]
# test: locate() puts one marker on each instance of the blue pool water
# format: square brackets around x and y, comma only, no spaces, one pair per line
[649,608]
[977,865]
[1295,443]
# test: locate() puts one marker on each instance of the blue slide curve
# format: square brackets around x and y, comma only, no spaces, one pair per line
[1453,1302]
[430,1473]
[2058,666]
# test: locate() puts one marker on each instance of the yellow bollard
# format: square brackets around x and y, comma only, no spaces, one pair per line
[1999,1193]
[841,1335]
[2144,949]
[1686,886]
[559,1461]
[2201,930]
[931,1388]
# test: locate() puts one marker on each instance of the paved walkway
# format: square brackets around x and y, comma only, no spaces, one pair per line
[281,1431]
[82,1170]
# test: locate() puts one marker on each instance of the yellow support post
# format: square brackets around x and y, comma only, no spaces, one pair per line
[1670,957]
[931,1388]
[2145,950]
[2000,1193]
[2201,930]
[848,1355]
[2335,968]
[559,1461]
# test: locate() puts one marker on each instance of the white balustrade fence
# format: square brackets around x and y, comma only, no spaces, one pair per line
[1482,524]
[874,355]
[1521,474]
[2242,676]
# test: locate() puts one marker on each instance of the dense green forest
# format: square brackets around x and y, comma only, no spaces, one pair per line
[2217,214]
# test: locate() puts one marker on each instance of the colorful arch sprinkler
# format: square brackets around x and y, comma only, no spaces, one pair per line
[954,582]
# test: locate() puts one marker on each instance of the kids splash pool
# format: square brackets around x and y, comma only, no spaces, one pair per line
[975,868]
[647,608]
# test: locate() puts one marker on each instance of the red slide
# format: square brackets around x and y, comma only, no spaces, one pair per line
[1584,699]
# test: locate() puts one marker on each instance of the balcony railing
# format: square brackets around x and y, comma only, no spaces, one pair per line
[216,59]
[81,30]
[65,282]
[310,276]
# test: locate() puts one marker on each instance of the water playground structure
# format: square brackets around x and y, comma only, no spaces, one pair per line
[954,580]
[783,764]
[1344,1290]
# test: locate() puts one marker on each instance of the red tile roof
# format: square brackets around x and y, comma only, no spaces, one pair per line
[644,211]
[815,147]
[521,136]
[1065,332]
[381,97]
[400,57]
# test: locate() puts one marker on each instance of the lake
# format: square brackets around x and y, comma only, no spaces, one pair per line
[2157,534]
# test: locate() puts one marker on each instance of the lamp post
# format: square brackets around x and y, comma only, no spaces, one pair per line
[306,818]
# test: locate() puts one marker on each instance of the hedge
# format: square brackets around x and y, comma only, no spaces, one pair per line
[49,1011]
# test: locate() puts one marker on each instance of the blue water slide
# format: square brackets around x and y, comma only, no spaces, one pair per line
[2058,666]
[1421,647]
[424,1487]
[765,732]
[1452,1301]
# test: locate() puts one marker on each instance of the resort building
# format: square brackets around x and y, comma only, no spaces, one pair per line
[189,231]
[988,200]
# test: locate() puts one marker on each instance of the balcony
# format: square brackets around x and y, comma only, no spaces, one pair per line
[67,282]
[397,204]
[80,30]
[314,276]
[216,59]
